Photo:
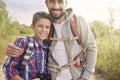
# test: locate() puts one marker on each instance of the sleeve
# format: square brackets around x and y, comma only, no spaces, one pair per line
[9,67]
[89,43]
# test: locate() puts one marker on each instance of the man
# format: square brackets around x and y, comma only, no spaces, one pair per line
[63,52]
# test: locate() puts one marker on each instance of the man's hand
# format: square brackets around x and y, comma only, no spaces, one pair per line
[13,50]
[82,79]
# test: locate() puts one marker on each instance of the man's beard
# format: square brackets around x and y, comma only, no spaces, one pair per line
[56,17]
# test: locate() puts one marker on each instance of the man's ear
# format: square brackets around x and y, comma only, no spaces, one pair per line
[66,3]
[46,3]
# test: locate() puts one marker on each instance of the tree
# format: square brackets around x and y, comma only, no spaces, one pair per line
[99,28]
[4,20]
[111,19]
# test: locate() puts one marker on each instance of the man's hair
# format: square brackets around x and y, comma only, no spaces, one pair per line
[47,0]
[40,15]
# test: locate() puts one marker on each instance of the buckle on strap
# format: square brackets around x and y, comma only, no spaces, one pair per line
[56,68]
[71,64]
[64,39]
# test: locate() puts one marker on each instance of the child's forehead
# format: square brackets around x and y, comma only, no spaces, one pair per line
[42,19]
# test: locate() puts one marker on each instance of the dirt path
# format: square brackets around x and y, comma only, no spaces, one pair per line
[1,74]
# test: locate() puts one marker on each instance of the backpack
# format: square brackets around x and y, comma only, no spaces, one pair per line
[80,60]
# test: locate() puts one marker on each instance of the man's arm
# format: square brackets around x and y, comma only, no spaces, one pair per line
[88,41]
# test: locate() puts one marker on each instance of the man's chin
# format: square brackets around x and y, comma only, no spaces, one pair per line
[56,17]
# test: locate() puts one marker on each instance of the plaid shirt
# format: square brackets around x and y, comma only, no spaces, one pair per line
[35,65]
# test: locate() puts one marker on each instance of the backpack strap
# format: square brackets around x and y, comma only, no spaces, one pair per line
[52,30]
[73,25]
[28,50]
[26,56]
[80,58]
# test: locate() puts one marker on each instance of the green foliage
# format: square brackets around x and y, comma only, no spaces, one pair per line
[108,56]
[3,45]
[117,32]
[99,29]
[108,42]
[3,18]
[25,30]
[9,29]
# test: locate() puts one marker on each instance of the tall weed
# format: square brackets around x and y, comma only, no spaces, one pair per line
[108,62]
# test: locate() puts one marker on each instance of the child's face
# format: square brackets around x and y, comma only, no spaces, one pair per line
[41,28]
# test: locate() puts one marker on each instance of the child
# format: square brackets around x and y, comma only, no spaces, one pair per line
[32,64]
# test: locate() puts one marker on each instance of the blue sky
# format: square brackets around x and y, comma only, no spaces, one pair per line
[22,10]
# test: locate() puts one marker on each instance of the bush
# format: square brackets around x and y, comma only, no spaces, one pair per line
[108,62]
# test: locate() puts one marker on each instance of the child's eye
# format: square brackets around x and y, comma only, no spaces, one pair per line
[48,27]
[40,26]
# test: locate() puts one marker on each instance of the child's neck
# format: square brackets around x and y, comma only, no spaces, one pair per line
[40,41]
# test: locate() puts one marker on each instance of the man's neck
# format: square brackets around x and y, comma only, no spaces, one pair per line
[58,21]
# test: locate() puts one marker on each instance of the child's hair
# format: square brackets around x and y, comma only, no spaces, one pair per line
[39,15]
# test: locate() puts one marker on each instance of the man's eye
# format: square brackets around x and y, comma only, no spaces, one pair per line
[60,1]
[51,1]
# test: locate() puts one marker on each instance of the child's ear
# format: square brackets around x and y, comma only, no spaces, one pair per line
[46,3]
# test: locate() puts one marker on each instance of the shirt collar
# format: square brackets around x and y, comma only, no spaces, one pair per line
[37,44]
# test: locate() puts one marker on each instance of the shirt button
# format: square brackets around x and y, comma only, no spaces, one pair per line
[41,63]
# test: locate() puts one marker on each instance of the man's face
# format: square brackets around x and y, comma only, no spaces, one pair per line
[56,8]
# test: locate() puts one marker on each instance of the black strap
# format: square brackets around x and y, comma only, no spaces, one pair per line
[52,30]
[28,50]
[27,53]
[73,25]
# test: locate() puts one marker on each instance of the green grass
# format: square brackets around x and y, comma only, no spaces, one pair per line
[108,62]
[3,44]
[4,41]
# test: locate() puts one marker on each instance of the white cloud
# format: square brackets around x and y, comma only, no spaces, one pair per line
[23,10]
